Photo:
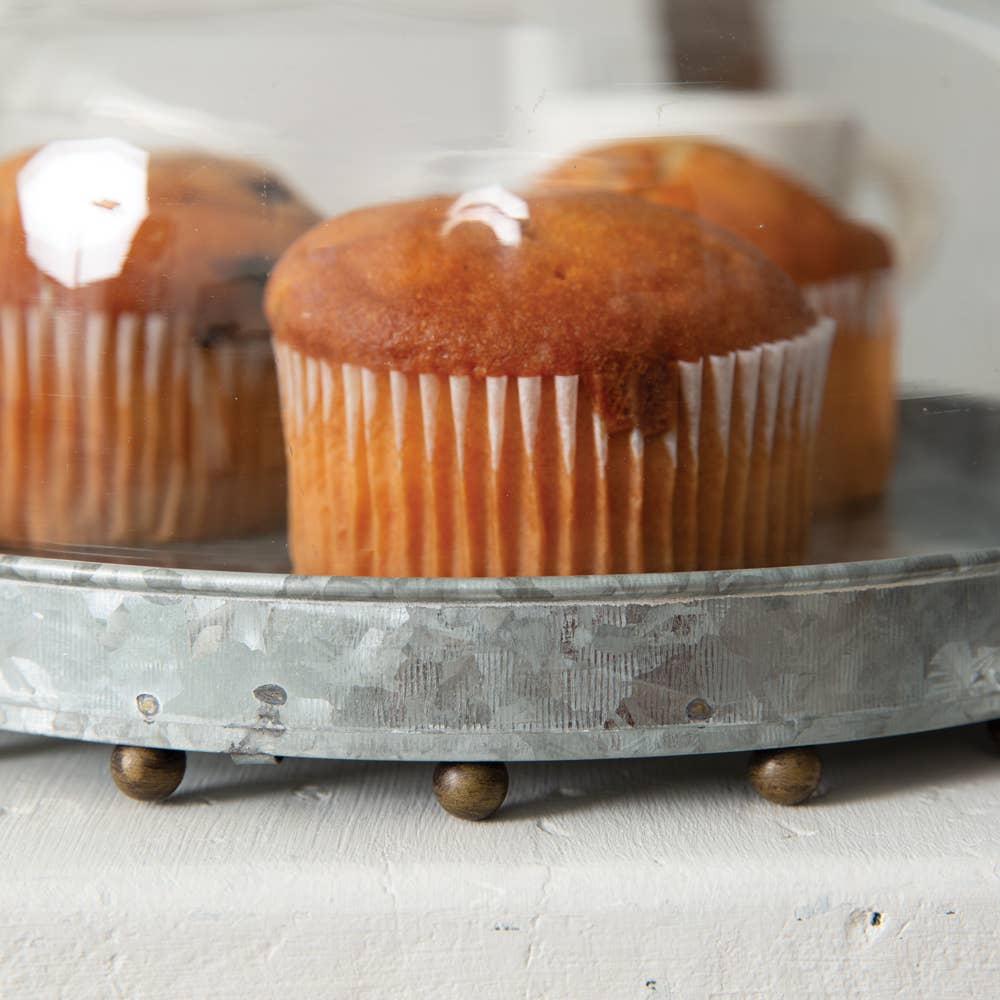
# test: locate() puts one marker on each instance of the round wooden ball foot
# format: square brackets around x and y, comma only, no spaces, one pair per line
[147,774]
[471,791]
[785,777]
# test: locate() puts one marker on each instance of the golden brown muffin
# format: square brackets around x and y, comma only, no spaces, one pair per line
[841,265]
[568,384]
[804,235]
[140,406]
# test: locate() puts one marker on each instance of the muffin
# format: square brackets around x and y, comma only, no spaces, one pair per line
[844,269]
[138,398]
[578,383]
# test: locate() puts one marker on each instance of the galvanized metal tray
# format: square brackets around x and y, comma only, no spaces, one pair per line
[895,627]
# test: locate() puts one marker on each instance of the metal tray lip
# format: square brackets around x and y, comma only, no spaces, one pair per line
[499,591]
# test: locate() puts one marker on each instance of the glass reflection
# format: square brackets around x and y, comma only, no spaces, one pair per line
[81,204]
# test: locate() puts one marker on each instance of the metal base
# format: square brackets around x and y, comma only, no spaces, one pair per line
[533,669]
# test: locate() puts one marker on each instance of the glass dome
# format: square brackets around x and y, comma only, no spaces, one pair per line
[662,286]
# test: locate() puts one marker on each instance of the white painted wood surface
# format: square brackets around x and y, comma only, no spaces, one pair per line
[654,878]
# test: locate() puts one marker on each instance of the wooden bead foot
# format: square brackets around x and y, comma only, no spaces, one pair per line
[471,791]
[785,777]
[145,773]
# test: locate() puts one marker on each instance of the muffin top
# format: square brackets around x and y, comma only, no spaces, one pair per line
[99,225]
[593,284]
[797,229]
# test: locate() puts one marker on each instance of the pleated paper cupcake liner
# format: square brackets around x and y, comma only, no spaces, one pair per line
[400,474]
[858,425]
[118,429]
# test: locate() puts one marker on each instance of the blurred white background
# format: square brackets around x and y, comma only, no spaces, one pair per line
[357,102]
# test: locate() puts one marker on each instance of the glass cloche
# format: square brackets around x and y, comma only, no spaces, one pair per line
[562,373]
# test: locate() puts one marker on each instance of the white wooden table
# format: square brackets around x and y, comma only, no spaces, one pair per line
[654,878]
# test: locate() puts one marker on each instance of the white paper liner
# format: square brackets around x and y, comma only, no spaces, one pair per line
[435,475]
[862,304]
[119,429]
[857,428]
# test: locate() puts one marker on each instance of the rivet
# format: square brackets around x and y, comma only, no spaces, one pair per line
[271,694]
[699,710]
[148,705]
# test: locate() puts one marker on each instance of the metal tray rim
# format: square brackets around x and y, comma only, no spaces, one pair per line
[771,581]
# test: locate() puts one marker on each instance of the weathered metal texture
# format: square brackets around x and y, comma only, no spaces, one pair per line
[527,670]
[512,669]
